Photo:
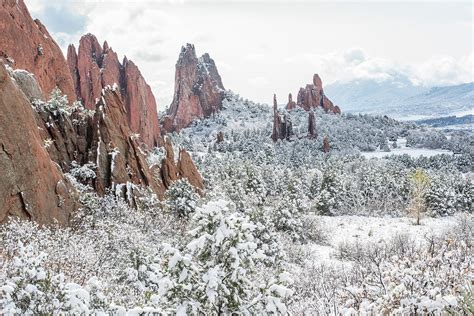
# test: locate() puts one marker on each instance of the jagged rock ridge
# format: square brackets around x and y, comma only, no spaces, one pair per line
[26,44]
[39,143]
[94,67]
[198,90]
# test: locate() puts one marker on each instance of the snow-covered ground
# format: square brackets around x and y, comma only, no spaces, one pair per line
[403,149]
[342,229]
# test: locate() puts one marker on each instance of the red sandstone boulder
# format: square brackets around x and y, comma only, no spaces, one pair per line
[96,67]
[198,90]
[26,44]
[32,186]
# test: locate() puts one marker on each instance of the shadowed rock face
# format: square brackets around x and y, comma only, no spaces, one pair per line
[32,186]
[313,96]
[94,67]
[26,44]
[198,90]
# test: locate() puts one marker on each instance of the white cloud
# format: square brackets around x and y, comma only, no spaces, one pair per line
[259,81]
[355,63]
[445,70]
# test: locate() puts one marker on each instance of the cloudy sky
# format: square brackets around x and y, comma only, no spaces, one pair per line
[267,47]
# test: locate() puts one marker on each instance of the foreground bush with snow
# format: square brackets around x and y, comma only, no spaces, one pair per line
[121,259]
[401,276]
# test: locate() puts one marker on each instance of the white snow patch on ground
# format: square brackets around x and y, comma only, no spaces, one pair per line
[348,228]
[403,149]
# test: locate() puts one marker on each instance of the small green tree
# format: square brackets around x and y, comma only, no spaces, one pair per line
[181,198]
[419,185]
[219,271]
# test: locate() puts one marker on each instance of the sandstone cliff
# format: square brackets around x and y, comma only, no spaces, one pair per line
[95,67]
[26,44]
[32,186]
[40,141]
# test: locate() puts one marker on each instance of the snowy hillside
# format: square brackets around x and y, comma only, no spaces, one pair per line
[281,227]
[399,98]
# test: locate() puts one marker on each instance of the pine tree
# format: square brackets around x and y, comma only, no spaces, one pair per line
[181,198]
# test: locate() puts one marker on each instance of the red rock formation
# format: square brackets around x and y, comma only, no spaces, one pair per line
[311,125]
[114,148]
[198,90]
[32,186]
[326,147]
[171,171]
[291,104]
[313,96]
[337,110]
[94,68]
[220,137]
[36,147]
[187,169]
[282,129]
[141,105]
[29,44]
[276,121]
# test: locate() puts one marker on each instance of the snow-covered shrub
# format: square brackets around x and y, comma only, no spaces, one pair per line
[181,198]
[83,173]
[32,287]
[431,138]
[328,194]
[219,270]
[399,276]
[58,104]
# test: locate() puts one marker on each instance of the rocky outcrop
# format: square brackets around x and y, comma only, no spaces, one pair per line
[291,104]
[311,125]
[28,84]
[39,141]
[171,170]
[326,146]
[312,96]
[95,67]
[282,126]
[26,44]
[198,90]
[32,186]
[220,137]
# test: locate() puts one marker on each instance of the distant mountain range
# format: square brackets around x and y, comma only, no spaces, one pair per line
[401,99]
